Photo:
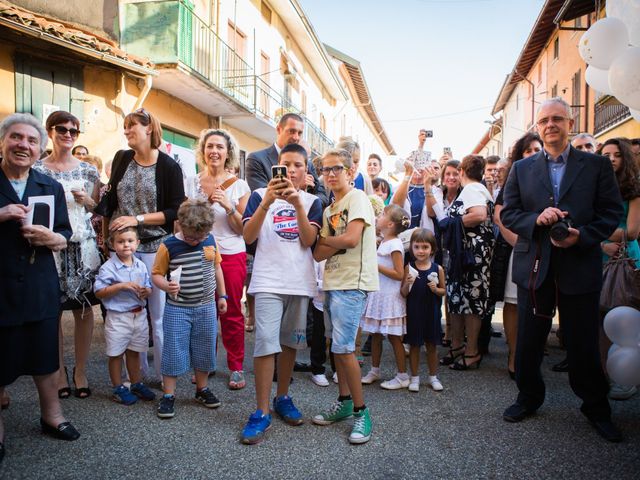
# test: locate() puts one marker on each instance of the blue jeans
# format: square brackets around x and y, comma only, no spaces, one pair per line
[343,310]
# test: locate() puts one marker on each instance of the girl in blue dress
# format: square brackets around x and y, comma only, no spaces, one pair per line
[423,286]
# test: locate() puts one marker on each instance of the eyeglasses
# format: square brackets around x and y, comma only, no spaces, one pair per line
[555,119]
[336,169]
[74,132]
[143,112]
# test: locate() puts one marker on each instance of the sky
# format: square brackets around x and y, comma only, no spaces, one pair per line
[433,64]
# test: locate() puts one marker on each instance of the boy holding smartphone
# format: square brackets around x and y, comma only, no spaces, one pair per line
[285,220]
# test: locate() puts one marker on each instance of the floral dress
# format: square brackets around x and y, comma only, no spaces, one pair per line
[470,296]
[78,264]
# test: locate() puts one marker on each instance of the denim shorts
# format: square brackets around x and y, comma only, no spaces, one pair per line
[343,310]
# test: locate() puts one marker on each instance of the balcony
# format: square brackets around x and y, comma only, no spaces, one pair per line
[607,115]
[198,67]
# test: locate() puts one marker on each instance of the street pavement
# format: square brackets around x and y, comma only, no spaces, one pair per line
[456,434]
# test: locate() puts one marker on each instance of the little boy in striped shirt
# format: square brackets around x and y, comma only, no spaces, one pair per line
[190,317]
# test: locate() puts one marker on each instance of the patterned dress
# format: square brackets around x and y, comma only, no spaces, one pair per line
[78,264]
[470,296]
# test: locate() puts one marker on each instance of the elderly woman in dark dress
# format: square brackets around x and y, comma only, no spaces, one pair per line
[30,294]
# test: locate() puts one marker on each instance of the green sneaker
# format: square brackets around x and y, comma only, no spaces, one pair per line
[338,411]
[362,427]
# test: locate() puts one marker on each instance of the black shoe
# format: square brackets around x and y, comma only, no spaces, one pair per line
[1,452]
[64,431]
[516,413]
[562,366]
[301,367]
[496,333]
[366,348]
[607,430]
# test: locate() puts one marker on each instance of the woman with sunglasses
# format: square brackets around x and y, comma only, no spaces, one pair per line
[145,190]
[78,264]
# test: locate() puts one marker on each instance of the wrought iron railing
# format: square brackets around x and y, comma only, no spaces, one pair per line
[315,137]
[608,115]
[202,50]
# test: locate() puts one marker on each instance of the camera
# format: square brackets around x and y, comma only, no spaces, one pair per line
[429,133]
[560,230]
[279,171]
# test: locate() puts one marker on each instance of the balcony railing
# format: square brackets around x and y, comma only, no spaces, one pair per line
[609,115]
[202,50]
[170,33]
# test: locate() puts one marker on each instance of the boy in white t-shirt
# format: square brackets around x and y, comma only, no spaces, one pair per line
[285,220]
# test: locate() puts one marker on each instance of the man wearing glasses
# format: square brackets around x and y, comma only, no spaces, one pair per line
[561,203]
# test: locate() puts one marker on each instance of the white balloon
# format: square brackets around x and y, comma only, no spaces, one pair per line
[603,42]
[629,12]
[612,349]
[624,77]
[598,79]
[636,116]
[622,326]
[623,366]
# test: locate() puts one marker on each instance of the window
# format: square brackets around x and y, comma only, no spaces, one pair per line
[237,40]
[554,90]
[556,48]
[323,123]
[577,23]
[42,88]
[266,12]
[264,85]
[575,99]
[303,101]
[517,101]
[539,73]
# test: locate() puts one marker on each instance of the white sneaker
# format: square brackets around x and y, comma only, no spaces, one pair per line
[621,392]
[370,377]
[320,380]
[435,384]
[335,377]
[395,384]
[414,386]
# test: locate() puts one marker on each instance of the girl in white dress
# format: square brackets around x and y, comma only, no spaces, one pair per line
[386,308]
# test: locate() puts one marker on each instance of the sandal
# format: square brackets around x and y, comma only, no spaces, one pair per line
[451,357]
[80,392]
[249,327]
[463,365]
[237,381]
[65,392]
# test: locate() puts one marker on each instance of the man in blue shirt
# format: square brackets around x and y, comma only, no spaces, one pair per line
[565,272]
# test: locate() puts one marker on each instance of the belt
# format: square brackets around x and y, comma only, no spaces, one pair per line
[136,310]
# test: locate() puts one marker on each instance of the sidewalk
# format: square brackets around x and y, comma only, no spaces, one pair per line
[456,434]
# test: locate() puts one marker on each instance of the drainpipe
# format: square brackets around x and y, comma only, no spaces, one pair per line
[148,83]
[533,95]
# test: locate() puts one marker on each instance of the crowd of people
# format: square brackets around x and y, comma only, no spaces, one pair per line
[423,263]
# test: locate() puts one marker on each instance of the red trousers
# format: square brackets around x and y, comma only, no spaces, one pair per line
[234,270]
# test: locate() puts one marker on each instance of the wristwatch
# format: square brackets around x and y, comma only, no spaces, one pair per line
[140,219]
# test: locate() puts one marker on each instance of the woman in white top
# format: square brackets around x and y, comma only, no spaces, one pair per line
[217,153]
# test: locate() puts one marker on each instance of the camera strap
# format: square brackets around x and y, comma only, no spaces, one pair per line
[533,279]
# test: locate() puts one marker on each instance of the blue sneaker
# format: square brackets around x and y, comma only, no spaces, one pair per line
[143,392]
[123,395]
[284,407]
[258,424]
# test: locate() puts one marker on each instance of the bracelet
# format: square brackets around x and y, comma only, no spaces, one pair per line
[266,209]
[231,212]
[226,297]
[406,178]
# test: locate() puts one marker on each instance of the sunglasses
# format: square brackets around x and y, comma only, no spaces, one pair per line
[143,112]
[74,132]
[335,170]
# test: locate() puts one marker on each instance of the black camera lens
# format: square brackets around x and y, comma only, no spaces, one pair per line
[560,230]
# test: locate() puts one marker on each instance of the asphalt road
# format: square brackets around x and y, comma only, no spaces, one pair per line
[456,434]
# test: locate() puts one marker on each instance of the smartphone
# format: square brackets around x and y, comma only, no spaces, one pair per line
[447,150]
[429,133]
[41,214]
[279,171]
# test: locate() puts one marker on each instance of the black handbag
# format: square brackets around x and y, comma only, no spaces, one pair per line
[107,204]
[499,268]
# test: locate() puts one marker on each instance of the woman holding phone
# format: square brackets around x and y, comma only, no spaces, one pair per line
[79,263]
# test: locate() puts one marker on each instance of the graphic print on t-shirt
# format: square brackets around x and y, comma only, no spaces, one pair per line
[285,223]
[338,225]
